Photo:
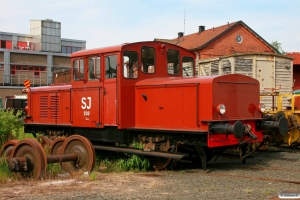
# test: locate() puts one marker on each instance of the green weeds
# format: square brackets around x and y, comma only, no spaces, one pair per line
[5,172]
[93,176]
[113,162]
[11,125]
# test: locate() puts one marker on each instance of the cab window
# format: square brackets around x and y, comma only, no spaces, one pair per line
[94,68]
[111,66]
[173,61]
[78,69]
[148,60]
[130,64]
[187,66]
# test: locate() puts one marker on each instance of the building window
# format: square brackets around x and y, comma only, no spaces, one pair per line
[69,50]
[36,69]
[36,73]
[6,44]
[63,49]
[1,67]
[13,70]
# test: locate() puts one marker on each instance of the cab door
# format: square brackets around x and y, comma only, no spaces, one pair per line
[110,90]
[87,94]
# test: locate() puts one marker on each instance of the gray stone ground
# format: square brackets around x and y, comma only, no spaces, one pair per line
[227,178]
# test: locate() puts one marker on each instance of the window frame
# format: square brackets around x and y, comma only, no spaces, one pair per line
[105,63]
[79,69]
[94,68]
[193,66]
[179,62]
[134,74]
[154,61]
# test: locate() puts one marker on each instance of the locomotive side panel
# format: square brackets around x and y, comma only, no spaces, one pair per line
[46,108]
[86,107]
[65,108]
[147,107]
[166,107]
[110,103]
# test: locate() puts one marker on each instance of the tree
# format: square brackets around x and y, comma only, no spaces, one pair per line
[277,46]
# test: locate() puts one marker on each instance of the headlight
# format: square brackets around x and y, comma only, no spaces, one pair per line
[261,107]
[221,109]
[26,109]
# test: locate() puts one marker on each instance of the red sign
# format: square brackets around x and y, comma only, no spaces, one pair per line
[27,83]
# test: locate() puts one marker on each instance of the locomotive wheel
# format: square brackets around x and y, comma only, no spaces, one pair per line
[56,146]
[8,147]
[83,148]
[35,157]
[44,140]
[163,163]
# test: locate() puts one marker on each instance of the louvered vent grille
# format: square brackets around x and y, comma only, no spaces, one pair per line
[54,107]
[44,107]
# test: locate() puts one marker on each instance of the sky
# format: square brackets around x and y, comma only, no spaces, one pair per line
[112,22]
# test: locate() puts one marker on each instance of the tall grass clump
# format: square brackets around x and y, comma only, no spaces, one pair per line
[5,172]
[133,163]
[118,162]
[10,122]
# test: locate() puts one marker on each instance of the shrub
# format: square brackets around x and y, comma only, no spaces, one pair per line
[10,122]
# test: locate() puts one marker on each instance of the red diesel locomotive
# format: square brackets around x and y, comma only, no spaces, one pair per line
[148,92]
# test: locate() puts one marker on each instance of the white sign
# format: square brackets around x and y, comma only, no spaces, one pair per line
[84,103]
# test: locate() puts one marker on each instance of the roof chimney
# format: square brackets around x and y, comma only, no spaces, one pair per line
[180,35]
[201,29]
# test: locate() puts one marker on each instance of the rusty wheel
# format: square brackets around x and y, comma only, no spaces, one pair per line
[163,163]
[83,148]
[8,147]
[56,146]
[44,140]
[35,157]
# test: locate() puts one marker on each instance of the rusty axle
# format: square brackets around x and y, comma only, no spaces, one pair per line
[62,158]
[18,164]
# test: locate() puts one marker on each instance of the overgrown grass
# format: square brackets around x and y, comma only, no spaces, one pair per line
[5,172]
[118,162]
[53,169]
[114,162]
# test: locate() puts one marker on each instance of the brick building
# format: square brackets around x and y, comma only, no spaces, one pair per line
[225,40]
[35,56]
[296,69]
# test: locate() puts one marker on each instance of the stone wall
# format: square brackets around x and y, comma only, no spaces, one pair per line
[61,61]
[28,59]
[1,57]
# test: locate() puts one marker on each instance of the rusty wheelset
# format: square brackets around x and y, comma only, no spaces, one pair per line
[28,158]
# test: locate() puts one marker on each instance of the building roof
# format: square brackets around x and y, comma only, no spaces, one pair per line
[199,40]
[296,56]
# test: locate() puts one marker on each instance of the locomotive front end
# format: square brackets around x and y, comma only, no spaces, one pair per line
[236,114]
